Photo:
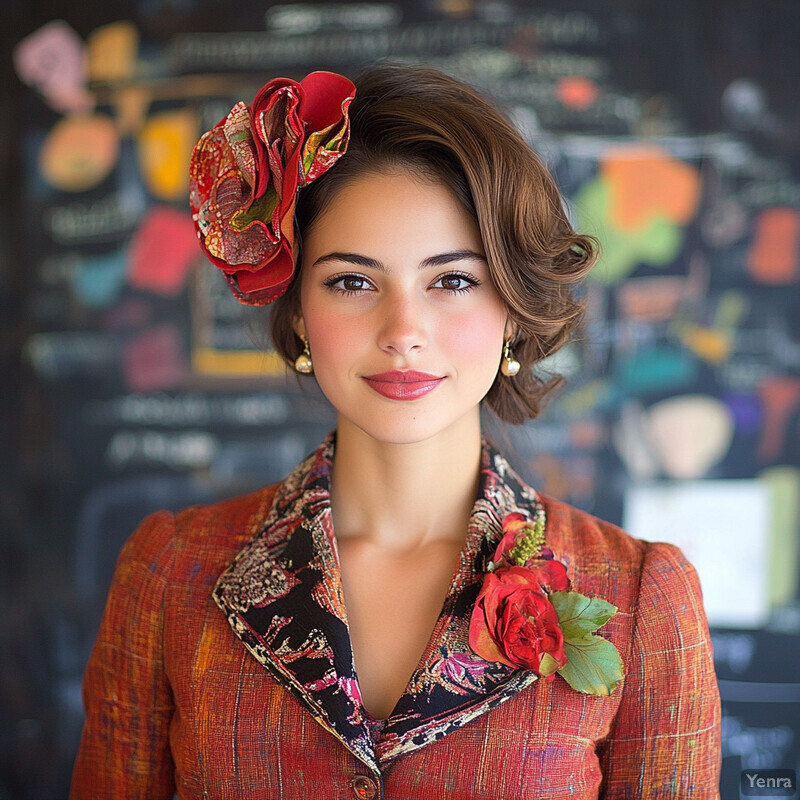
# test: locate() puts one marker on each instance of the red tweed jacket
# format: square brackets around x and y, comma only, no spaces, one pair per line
[223,668]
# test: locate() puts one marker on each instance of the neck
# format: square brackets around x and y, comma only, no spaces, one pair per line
[405,496]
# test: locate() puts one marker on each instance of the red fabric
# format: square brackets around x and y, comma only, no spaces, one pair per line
[245,172]
[176,704]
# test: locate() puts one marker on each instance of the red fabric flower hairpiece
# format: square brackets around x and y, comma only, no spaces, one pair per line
[245,173]
[526,617]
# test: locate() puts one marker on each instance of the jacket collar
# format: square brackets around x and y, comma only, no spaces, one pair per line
[283,598]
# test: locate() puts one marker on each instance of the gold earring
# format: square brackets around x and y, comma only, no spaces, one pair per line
[510,365]
[303,362]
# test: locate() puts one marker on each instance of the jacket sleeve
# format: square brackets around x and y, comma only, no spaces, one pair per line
[665,739]
[124,750]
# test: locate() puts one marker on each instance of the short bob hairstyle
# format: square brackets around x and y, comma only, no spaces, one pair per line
[416,118]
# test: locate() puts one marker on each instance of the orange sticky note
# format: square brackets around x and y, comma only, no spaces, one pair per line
[774,256]
[645,182]
[79,152]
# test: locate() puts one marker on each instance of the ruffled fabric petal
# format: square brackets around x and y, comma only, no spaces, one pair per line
[245,173]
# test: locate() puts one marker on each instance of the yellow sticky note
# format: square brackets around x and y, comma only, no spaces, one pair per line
[111,51]
[165,146]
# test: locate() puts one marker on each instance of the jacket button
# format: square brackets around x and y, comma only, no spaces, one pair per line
[364,788]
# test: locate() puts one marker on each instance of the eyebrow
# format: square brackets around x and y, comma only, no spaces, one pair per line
[432,261]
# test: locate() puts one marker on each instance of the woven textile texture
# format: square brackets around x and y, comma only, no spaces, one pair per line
[223,669]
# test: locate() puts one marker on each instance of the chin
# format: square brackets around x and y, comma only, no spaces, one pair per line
[407,428]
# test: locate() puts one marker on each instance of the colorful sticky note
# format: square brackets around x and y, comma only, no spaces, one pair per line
[53,54]
[783,484]
[656,369]
[732,308]
[52,60]
[746,410]
[689,434]
[165,147]
[651,299]
[710,344]
[723,529]
[162,251]
[637,206]
[647,182]
[153,360]
[111,51]
[98,280]
[79,152]
[780,395]
[774,256]
[658,242]
[577,92]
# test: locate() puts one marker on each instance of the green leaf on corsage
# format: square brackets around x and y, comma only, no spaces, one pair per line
[593,664]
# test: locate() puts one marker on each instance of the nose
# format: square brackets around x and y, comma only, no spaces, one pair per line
[402,329]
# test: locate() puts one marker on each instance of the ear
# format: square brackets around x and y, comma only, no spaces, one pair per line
[299,325]
[511,329]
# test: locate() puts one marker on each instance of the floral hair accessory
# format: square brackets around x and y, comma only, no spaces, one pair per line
[525,615]
[245,173]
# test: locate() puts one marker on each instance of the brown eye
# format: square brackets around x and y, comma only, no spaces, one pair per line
[354,283]
[454,282]
[349,284]
[451,282]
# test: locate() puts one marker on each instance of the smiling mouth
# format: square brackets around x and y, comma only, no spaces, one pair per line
[409,385]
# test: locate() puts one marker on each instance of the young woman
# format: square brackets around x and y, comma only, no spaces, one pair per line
[402,617]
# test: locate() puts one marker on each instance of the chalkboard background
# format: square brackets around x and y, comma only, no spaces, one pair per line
[132,381]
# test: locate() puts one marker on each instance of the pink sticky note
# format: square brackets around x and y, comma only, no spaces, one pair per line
[162,251]
[52,59]
[153,360]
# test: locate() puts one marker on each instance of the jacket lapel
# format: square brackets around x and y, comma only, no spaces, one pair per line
[452,685]
[283,598]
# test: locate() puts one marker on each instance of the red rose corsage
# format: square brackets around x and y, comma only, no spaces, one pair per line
[245,173]
[525,615]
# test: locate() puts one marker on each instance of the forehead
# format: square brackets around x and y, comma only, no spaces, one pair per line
[383,214]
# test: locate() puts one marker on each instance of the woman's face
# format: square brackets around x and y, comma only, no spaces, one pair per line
[404,324]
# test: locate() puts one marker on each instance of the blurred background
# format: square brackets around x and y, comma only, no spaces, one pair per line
[131,379]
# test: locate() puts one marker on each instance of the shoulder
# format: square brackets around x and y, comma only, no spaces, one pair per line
[625,570]
[212,532]
[654,587]
[595,539]
[589,539]
[238,518]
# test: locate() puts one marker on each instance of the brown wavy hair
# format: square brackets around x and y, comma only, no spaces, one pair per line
[414,117]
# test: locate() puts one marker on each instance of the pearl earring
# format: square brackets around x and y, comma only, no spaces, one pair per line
[510,366]
[303,362]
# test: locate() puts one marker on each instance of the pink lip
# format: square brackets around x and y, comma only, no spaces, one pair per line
[407,385]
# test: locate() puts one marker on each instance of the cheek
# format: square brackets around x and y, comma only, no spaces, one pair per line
[479,337]
[334,340]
